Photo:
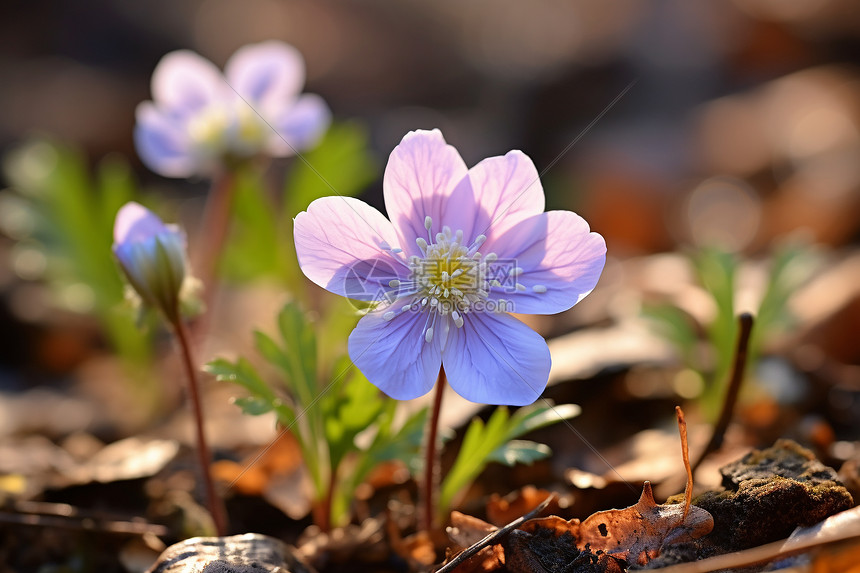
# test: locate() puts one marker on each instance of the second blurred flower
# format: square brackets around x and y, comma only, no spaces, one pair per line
[200,119]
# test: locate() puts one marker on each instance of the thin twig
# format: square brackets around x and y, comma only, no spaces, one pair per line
[685,455]
[213,501]
[85,523]
[753,556]
[494,537]
[431,456]
[745,322]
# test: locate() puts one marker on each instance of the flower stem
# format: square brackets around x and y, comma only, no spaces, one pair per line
[213,231]
[431,460]
[213,501]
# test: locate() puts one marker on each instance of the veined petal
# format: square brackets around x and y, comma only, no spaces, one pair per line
[185,82]
[393,354]
[301,126]
[560,261]
[421,175]
[269,75]
[508,190]
[162,144]
[340,244]
[496,359]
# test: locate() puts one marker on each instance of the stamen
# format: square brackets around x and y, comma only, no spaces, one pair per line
[394,283]
[389,315]
[521,287]
[448,278]
[540,289]
[397,250]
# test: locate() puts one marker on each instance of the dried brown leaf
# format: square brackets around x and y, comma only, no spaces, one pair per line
[635,533]
[502,510]
[466,530]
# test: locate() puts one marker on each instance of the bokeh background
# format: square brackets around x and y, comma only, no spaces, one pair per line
[741,123]
[672,126]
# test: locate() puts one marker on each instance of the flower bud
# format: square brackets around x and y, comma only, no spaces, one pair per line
[152,257]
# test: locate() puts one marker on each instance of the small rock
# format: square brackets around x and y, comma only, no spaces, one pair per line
[248,553]
[769,493]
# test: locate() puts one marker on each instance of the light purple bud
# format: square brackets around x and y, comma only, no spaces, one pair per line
[151,255]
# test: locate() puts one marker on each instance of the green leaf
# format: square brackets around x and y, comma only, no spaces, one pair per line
[253,405]
[496,441]
[262,398]
[478,443]
[531,418]
[300,351]
[242,373]
[716,271]
[519,452]
[341,164]
[403,445]
[349,408]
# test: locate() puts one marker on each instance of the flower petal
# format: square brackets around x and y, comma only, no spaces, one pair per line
[162,144]
[420,177]
[269,75]
[496,359]
[508,190]
[185,82]
[339,243]
[135,223]
[561,262]
[300,127]
[394,356]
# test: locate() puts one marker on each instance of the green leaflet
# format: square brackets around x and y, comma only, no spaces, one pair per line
[325,409]
[496,441]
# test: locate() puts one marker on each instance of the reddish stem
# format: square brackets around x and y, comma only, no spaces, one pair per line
[431,460]
[213,501]
[213,231]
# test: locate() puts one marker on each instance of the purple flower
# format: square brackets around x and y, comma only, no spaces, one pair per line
[151,255]
[464,247]
[199,118]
